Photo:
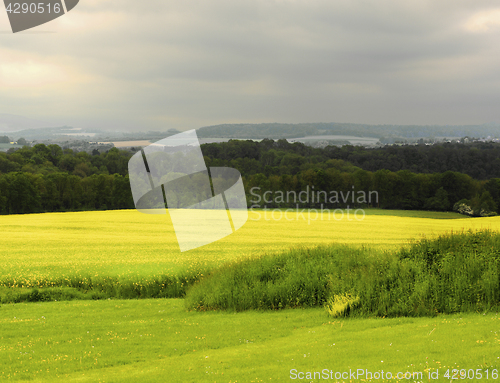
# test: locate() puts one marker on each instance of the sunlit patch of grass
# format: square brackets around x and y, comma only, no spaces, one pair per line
[158,341]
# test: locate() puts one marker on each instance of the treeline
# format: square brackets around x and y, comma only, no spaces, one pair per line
[47,178]
[279,167]
[478,160]
[335,184]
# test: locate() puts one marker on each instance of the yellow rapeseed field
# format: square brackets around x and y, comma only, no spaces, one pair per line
[127,243]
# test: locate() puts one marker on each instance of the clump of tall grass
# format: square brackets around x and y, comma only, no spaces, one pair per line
[341,305]
[458,272]
[298,278]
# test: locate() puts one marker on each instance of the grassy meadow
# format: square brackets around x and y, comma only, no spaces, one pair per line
[158,341]
[202,338]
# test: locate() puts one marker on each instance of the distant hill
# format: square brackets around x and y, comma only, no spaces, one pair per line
[53,133]
[18,126]
[277,130]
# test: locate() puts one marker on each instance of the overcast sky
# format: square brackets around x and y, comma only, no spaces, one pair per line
[160,64]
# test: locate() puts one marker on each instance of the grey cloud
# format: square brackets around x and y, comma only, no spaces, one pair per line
[191,63]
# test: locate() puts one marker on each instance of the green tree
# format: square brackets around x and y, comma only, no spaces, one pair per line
[3,199]
[7,165]
[484,205]
[55,154]
[22,195]
[439,202]
[67,162]
[292,162]
[493,187]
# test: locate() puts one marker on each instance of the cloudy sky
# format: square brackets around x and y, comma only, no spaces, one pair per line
[160,64]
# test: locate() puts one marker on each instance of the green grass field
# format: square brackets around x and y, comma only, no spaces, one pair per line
[158,340]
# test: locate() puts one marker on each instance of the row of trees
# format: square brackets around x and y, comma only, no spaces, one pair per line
[478,160]
[6,140]
[22,192]
[45,159]
[47,178]
[332,188]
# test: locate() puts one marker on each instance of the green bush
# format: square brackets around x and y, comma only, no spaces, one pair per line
[453,273]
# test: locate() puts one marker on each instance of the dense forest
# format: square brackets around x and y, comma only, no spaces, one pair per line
[47,178]
[406,177]
[439,177]
[478,160]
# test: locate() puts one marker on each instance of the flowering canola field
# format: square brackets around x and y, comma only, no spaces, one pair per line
[128,244]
